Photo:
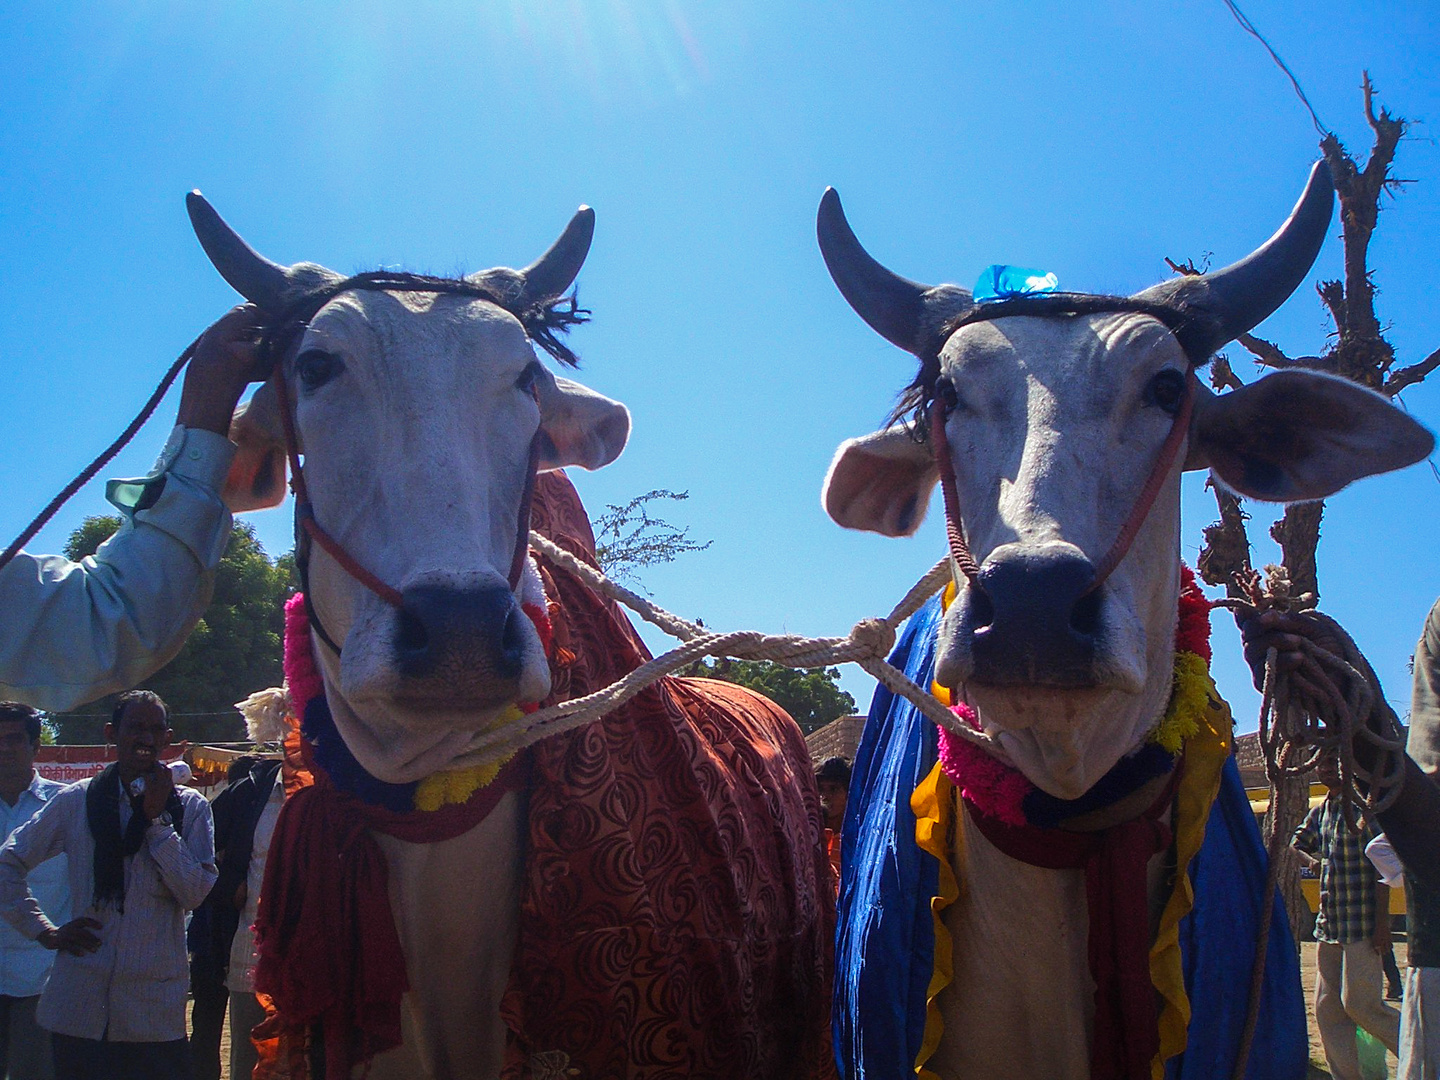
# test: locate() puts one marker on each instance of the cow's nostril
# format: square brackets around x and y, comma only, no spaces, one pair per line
[512,643]
[982,610]
[1085,615]
[412,638]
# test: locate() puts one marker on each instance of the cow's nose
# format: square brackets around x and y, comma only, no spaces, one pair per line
[1032,623]
[473,633]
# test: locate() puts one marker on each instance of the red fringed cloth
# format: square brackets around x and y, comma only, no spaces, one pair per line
[329,952]
[1126,1036]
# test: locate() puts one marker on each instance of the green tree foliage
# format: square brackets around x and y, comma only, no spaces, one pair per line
[234,650]
[812,697]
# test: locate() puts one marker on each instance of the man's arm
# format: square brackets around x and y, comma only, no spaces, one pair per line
[77,631]
[1381,938]
[1306,840]
[187,864]
[1412,821]
[40,838]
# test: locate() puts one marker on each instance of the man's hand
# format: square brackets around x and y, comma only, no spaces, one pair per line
[159,783]
[76,937]
[1285,632]
[226,360]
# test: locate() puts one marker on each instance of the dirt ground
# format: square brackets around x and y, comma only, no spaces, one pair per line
[1307,979]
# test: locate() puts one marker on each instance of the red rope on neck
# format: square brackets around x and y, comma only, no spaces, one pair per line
[960,553]
[1153,483]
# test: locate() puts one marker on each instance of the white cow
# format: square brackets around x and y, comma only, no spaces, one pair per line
[1053,424]
[420,416]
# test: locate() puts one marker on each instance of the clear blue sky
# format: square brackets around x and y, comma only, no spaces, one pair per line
[1088,139]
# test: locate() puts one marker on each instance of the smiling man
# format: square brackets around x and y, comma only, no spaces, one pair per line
[141,854]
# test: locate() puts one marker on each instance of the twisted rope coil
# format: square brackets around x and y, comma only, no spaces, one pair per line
[868,644]
[1323,706]
[1319,708]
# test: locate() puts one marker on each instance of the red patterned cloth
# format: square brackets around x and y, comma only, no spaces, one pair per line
[678,912]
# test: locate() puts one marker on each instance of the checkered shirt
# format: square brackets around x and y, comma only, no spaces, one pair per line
[1347,880]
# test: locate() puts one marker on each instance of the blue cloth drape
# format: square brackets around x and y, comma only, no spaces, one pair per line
[885,943]
[1217,941]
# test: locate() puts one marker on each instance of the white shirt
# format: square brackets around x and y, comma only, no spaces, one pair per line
[25,964]
[241,977]
[1387,864]
[74,632]
[133,988]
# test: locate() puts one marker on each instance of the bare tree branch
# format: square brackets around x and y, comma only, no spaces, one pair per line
[1222,376]
[1360,193]
[1409,376]
[1266,352]
[1333,293]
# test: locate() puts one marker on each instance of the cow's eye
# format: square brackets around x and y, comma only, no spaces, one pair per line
[945,393]
[315,367]
[1167,390]
[526,382]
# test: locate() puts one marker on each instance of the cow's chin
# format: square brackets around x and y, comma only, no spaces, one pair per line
[401,745]
[401,734]
[1064,741]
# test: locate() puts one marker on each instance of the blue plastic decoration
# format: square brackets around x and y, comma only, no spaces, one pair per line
[1001,282]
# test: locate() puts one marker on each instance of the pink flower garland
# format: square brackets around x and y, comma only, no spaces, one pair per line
[998,790]
[301,674]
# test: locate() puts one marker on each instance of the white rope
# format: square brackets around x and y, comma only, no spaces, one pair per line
[868,644]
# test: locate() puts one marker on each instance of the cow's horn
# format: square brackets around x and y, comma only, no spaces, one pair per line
[893,306]
[555,271]
[249,273]
[903,312]
[1240,296]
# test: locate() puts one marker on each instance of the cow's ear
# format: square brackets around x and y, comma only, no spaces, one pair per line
[1300,435]
[256,480]
[579,426]
[880,483]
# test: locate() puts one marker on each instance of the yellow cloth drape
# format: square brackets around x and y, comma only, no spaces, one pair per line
[933,803]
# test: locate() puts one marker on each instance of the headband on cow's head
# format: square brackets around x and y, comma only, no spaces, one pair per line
[1217,306]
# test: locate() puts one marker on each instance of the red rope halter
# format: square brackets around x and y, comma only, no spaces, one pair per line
[1174,320]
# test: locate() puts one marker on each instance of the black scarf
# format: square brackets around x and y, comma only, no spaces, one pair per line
[102,813]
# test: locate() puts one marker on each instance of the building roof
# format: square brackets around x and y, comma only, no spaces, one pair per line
[839,738]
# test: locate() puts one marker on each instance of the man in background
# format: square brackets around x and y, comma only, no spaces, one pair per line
[141,854]
[25,964]
[1352,931]
[245,855]
[833,780]
[1420,1009]
[211,929]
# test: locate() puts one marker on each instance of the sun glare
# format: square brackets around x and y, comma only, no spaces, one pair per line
[615,47]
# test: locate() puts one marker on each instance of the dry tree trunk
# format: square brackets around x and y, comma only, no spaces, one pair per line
[1359,352]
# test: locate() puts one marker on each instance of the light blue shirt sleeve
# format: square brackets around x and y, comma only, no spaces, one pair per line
[77,631]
